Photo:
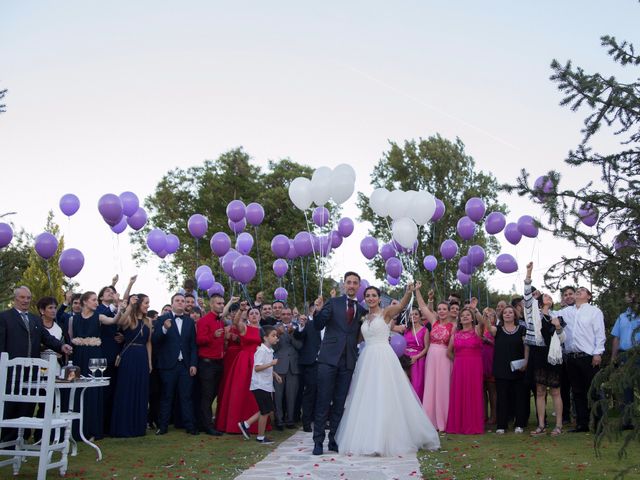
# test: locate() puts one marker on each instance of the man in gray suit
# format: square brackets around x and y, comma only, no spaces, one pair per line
[286,351]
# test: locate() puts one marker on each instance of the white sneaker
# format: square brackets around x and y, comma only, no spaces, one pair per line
[518,430]
[500,431]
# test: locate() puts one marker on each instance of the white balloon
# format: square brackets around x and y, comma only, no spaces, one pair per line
[341,189]
[321,190]
[405,232]
[422,207]
[321,173]
[300,192]
[378,201]
[344,170]
[397,204]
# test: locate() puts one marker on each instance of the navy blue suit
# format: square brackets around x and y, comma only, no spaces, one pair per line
[307,360]
[174,373]
[336,362]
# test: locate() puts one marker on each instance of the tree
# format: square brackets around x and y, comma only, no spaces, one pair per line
[443,168]
[207,189]
[13,263]
[44,277]
[2,106]
[607,254]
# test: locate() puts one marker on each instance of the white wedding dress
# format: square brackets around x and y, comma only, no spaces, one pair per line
[383,415]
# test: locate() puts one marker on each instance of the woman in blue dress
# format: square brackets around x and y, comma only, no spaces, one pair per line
[84,331]
[129,418]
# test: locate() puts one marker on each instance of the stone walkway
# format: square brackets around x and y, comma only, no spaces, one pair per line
[293,459]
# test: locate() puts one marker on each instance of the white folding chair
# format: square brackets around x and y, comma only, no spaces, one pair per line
[25,380]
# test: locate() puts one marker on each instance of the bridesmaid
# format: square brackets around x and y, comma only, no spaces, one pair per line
[487,361]
[437,375]
[417,337]
[129,417]
[466,405]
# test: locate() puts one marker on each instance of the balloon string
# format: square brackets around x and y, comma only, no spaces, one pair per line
[315,254]
[197,253]
[259,260]
[246,293]
[304,283]
[293,286]
[46,262]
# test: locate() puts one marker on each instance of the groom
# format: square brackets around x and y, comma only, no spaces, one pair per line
[340,317]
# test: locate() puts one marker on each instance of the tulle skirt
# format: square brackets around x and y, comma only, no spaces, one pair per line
[383,415]
[435,400]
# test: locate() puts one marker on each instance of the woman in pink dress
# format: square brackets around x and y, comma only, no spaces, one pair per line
[466,403]
[417,337]
[437,374]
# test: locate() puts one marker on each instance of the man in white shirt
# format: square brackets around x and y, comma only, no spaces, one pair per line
[584,348]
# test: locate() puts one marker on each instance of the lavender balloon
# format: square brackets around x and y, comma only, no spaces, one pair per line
[324,245]
[588,214]
[393,267]
[244,269]
[292,255]
[448,249]
[173,243]
[280,246]
[236,210]
[220,243]
[6,234]
[335,239]
[216,289]
[476,255]
[120,227]
[138,219]
[512,234]
[130,203]
[110,207]
[254,214]
[280,294]
[227,261]
[474,208]
[237,227]
[369,247]
[197,225]
[162,253]
[303,243]
[495,223]
[345,227]
[399,344]
[392,280]
[71,262]
[463,278]
[439,212]
[430,263]
[280,267]
[156,240]
[387,251]
[465,266]
[320,216]
[364,284]
[527,226]
[202,269]
[542,187]
[466,228]
[205,281]
[69,204]
[506,263]
[46,245]
[244,243]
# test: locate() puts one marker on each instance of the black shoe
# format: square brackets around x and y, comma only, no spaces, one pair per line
[307,428]
[317,449]
[265,441]
[193,431]
[212,431]
[291,425]
[280,428]
[161,431]
[333,446]
[579,429]
[244,430]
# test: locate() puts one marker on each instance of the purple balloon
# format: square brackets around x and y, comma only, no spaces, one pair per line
[6,234]
[512,234]
[237,227]
[162,254]
[71,262]
[588,214]
[244,243]
[320,216]
[476,255]
[392,280]
[173,243]
[254,214]
[156,240]
[130,203]
[280,294]
[303,243]
[527,226]
[464,265]
[197,225]
[494,223]
[121,226]
[448,249]
[280,246]
[110,207]
[506,263]
[399,344]
[46,245]
[466,228]
[622,241]
[113,223]
[138,219]
[292,255]
[336,239]
[69,204]
[364,284]
[463,278]
[227,261]
[474,208]
[393,267]
[324,245]
[216,289]
[369,247]
[439,211]
[220,243]
[205,281]
[202,269]
[430,263]
[542,187]
[345,227]
[236,210]
[280,267]
[387,251]
[244,269]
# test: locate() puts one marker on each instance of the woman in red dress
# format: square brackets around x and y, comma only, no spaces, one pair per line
[237,403]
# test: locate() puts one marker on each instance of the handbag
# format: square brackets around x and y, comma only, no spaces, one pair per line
[118,359]
[555,350]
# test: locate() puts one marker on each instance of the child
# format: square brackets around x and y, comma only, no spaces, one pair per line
[262,384]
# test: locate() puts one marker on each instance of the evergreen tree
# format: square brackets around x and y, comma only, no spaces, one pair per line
[13,263]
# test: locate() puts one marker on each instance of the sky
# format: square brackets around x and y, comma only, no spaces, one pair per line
[110,96]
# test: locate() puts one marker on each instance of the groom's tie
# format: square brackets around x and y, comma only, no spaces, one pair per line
[351,310]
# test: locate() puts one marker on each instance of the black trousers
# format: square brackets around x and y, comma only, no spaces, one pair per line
[333,386]
[176,379]
[512,395]
[581,373]
[309,377]
[209,376]
[565,392]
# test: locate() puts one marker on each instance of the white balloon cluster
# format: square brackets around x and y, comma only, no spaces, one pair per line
[337,184]
[406,209]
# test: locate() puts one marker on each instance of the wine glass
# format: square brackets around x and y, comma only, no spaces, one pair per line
[102,365]
[93,366]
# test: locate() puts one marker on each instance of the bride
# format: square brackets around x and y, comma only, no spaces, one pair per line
[383,415]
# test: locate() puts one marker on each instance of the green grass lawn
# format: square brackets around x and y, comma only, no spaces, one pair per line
[490,456]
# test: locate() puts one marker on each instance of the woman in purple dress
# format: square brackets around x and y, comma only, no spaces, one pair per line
[417,337]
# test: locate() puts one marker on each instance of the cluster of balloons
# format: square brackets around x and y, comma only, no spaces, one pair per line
[71,260]
[161,243]
[117,211]
[325,184]
[206,281]
[235,262]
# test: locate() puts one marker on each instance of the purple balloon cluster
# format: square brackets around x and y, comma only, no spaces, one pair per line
[161,243]
[71,260]
[117,211]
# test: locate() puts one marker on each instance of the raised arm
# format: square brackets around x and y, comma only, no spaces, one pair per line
[425,311]
[227,307]
[323,313]
[237,321]
[127,292]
